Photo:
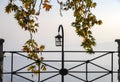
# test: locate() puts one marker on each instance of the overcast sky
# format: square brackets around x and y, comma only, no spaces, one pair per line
[107,10]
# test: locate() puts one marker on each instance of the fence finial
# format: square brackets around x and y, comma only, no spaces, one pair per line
[1,59]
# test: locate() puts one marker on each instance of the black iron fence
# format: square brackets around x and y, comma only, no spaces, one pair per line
[78,66]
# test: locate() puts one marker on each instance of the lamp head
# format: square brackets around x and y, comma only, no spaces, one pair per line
[58,40]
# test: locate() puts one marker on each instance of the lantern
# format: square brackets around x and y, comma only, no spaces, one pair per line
[58,40]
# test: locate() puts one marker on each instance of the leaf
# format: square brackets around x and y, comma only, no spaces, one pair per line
[26,5]
[41,58]
[42,47]
[47,7]
[37,13]
[15,8]
[94,5]
[43,67]
[36,72]
[33,11]
[46,1]
[99,22]
[30,67]
[37,25]
[8,8]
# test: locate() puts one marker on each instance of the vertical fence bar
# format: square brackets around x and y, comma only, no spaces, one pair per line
[118,42]
[11,67]
[39,73]
[1,60]
[62,78]
[87,70]
[112,67]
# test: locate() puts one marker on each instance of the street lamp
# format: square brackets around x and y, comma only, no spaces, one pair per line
[60,42]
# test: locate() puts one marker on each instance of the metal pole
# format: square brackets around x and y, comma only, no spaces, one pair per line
[118,42]
[62,78]
[62,44]
[1,60]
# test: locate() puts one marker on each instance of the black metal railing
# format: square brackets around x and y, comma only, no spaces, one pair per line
[78,66]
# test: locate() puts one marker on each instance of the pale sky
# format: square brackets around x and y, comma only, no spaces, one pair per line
[107,10]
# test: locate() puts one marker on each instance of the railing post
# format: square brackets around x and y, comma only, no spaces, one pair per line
[118,41]
[1,59]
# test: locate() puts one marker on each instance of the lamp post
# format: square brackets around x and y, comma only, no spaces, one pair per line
[59,39]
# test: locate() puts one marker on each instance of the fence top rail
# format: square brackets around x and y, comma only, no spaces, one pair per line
[71,51]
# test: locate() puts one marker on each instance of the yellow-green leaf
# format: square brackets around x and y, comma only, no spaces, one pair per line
[42,47]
